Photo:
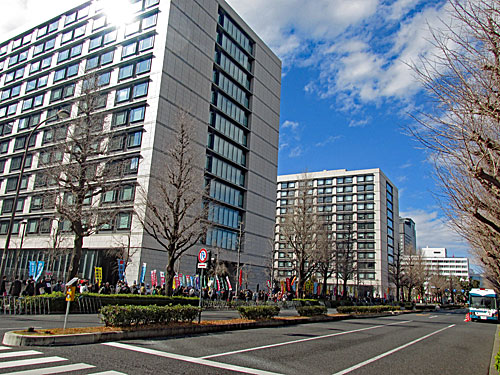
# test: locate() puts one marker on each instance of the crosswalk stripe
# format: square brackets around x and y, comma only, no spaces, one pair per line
[32,361]
[19,354]
[53,370]
[108,373]
[4,348]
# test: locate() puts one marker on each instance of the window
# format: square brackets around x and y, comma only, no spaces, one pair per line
[15,162]
[62,92]
[20,57]
[103,39]
[28,122]
[11,92]
[33,102]
[132,92]
[72,17]
[14,75]
[41,64]
[125,117]
[132,70]
[37,83]
[230,108]
[20,142]
[54,134]
[109,197]
[12,183]
[137,46]
[123,220]
[4,147]
[150,3]
[67,72]
[99,23]
[44,47]
[73,34]
[70,53]
[47,29]
[134,139]
[100,60]
[6,128]
[9,203]
[127,193]
[52,114]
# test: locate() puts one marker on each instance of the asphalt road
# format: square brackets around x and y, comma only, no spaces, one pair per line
[428,343]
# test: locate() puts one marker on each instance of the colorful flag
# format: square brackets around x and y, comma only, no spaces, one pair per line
[153,278]
[240,278]
[143,273]
[229,283]
[39,269]
[32,269]
[98,275]
[121,269]
[162,278]
[288,285]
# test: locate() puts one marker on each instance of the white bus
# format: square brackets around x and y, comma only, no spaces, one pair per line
[483,304]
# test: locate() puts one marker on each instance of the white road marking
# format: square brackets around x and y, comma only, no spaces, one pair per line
[432,317]
[53,370]
[301,340]
[19,354]
[199,361]
[371,360]
[4,348]
[108,373]
[29,362]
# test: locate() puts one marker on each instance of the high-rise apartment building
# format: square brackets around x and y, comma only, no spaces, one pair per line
[361,205]
[407,235]
[154,59]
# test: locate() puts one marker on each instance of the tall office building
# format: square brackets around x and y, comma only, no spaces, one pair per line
[437,262]
[361,204]
[407,235]
[154,59]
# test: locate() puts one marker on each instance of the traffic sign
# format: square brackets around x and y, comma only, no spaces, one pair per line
[202,256]
[202,265]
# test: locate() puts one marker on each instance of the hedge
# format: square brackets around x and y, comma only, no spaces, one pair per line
[311,310]
[258,312]
[127,316]
[306,301]
[58,300]
[366,309]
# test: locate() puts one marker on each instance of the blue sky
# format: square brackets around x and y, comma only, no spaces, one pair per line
[347,92]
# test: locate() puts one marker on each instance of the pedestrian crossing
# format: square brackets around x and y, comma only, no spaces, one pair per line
[33,362]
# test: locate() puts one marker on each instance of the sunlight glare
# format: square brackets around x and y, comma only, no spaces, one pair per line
[118,12]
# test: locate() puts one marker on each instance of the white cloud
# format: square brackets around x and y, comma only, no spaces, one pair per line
[359,123]
[329,140]
[290,124]
[296,152]
[435,231]
[360,48]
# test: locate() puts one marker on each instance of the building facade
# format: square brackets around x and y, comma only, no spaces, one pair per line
[437,262]
[364,202]
[157,59]
[407,235]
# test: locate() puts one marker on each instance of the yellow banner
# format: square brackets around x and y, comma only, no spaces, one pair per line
[98,275]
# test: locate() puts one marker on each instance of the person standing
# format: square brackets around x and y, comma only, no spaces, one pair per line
[3,286]
[15,288]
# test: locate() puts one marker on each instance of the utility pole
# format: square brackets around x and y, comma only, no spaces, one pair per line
[240,235]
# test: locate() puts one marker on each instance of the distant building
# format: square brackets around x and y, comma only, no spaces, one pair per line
[438,263]
[364,199]
[407,235]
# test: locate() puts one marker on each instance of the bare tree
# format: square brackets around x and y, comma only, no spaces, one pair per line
[298,230]
[463,128]
[397,271]
[174,211]
[345,254]
[416,274]
[325,255]
[76,172]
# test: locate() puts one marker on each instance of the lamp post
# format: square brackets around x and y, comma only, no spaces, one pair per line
[62,114]
[24,223]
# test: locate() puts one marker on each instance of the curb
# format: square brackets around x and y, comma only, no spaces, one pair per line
[496,346]
[15,339]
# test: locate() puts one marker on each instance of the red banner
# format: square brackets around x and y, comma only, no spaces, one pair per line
[288,284]
[240,278]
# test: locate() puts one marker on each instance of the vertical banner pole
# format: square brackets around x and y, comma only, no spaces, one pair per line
[66,316]
[201,296]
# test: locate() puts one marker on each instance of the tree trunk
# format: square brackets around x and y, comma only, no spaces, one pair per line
[76,256]
[170,277]
[325,279]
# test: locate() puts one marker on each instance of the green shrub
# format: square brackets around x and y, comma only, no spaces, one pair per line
[425,307]
[126,316]
[306,301]
[258,312]
[497,361]
[366,309]
[311,310]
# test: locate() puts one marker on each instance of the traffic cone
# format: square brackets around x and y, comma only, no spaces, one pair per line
[467,317]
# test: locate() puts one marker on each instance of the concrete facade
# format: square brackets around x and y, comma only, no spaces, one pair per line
[239,88]
[370,200]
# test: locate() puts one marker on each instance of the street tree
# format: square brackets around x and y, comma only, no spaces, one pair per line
[346,265]
[397,271]
[462,129]
[76,169]
[325,255]
[299,230]
[416,274]
[174,210]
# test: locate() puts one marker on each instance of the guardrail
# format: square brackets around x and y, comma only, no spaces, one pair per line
[24,306]
[231,305]
[89,305]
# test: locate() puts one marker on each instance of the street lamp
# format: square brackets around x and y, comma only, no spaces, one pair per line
[24,223]
[62,114]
